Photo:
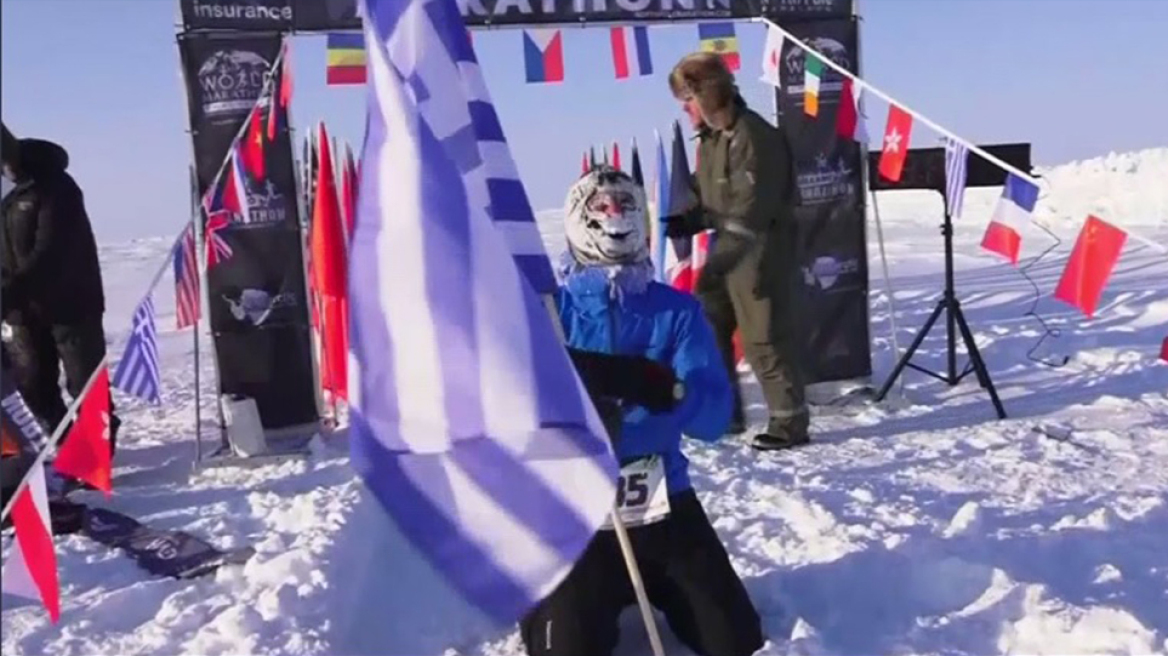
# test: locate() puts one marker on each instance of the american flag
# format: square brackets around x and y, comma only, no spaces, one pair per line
[137,373]
[474,434]
[956,155]
[186,281]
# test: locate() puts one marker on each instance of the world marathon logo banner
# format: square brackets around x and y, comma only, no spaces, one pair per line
[257,301]
[328,15]
[832,285]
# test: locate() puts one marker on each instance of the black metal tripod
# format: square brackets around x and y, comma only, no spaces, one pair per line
[954,319]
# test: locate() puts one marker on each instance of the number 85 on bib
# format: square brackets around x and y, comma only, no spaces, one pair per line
[641,494]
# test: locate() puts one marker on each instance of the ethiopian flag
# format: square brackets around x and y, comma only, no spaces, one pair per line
[720,38]
[812,74]
[346,58]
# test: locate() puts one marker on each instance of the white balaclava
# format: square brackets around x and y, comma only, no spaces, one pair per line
[604,219]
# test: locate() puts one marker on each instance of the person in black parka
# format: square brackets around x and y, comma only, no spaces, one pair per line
[52,295]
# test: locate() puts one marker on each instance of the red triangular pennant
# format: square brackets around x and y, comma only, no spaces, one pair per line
[85,454]
[252,148]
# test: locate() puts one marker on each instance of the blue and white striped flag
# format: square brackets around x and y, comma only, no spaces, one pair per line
[956,156]
[469,424]
[137,373]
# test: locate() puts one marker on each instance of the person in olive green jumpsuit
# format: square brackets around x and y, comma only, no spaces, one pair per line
[745,191]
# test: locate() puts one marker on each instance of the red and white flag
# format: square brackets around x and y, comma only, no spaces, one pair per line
[86,452]
[31,569]
[897,134]
[850,121]
[772,57]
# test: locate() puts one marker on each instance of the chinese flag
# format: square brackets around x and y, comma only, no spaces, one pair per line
[1094,256]
[328,269]
[896,138]
[86,452]
[1164,350]
[252,148]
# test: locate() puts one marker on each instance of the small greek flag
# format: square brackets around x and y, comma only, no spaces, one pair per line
[137,373]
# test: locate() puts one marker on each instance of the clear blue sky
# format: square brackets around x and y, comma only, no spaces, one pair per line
[1077,78]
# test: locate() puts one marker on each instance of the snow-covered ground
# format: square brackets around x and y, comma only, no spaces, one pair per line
[917,526]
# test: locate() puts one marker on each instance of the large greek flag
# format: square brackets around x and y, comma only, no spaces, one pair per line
[469,425]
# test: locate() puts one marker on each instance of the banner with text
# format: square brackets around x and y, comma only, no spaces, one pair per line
[258,309]
[833,300]
[330,15]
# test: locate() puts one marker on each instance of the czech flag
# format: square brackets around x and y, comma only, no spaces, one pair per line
[543,55]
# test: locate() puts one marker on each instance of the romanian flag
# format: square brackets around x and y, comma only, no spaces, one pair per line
[720,38]
[346,58]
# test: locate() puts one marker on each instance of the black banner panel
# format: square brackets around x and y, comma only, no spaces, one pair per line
[833,303]
[329,15]
[258,309]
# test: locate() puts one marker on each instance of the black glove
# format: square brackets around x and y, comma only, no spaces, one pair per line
[629,378]
[728,251]
[659,389]
[683,225]
[612,417]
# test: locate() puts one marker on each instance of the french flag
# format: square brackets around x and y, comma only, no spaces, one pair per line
[631,57]
[543,55]
[1004,233]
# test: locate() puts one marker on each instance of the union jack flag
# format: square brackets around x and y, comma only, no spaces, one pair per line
[186,280]
[218,250]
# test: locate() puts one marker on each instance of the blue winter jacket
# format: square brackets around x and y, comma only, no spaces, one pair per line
[668,326]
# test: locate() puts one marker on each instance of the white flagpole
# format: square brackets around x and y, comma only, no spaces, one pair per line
[618,524]
[75,403]
[973,148]
[859,82]
[195,234]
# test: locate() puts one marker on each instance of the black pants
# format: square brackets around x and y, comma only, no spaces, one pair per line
[687,576]
[731,304]
[39,351]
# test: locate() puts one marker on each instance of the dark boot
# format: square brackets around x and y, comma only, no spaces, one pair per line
[784,433]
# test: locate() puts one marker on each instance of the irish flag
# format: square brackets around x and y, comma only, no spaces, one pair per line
[812,74]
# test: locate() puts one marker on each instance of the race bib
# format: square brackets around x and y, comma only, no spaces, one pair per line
[641,494]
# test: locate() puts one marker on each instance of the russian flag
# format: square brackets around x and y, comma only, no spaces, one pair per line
[1004,233]
[543,55]
[631,57]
